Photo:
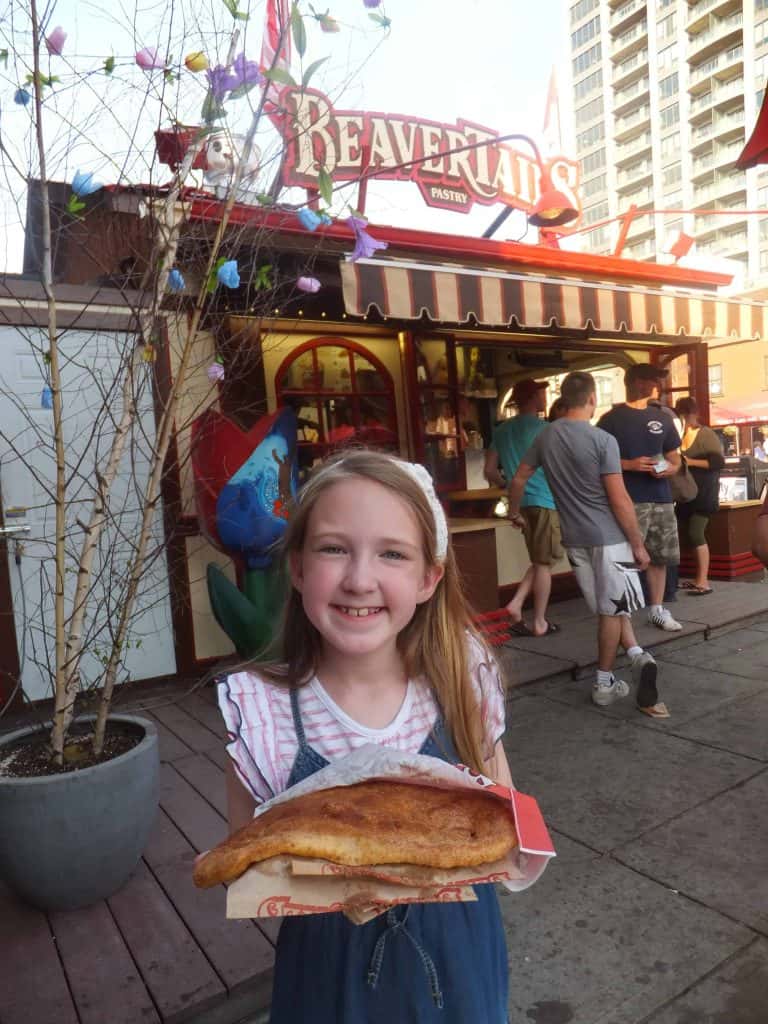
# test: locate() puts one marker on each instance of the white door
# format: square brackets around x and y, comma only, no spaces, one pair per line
[91,404]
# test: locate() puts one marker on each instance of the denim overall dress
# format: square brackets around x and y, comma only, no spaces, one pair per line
[430,963]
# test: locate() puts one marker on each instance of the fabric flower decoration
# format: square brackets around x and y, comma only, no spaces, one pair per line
[46,398]
[54,43]
[176,280]
[22,97]
[325,218]
[372,3]
[309,219]
[148,60]
[215,373]
[196,62]
[328,24]
[308,284]
[365,244]
[83,184]
[219,82]
[228,274]
[246,72]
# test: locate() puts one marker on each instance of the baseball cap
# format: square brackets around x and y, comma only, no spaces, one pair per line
[524,390]
[644,371]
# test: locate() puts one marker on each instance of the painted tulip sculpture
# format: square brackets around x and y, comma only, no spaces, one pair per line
[244,484]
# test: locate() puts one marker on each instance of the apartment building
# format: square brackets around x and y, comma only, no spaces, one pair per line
[662,94]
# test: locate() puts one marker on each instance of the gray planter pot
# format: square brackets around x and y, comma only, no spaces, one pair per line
[69,840]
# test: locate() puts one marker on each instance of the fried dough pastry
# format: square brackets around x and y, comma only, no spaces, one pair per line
[375,822]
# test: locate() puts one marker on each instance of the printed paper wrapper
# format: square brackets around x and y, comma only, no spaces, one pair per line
[284,886]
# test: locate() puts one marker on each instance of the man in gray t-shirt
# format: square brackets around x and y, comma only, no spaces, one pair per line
[600,532]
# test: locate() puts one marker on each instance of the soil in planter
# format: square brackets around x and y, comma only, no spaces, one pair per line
[31,757]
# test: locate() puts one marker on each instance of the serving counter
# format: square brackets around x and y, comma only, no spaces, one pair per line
[729,534]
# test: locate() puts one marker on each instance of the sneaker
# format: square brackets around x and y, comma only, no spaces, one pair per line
[644,672]
[664,620]
[615,690]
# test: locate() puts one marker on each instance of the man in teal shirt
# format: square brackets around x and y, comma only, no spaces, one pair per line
[511,440]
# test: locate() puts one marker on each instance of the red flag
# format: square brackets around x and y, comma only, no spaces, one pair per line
[276,48]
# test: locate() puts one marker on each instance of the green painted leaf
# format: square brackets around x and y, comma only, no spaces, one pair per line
[281,76]
[305,78]
[264,199]
[298,30]
[325,186]
[241,16]
[231,6]
[109,65]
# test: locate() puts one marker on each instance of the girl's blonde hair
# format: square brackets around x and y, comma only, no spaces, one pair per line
[434,644]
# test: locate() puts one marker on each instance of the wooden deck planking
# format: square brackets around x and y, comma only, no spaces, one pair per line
[188,729]
[193,815]
[207,778]
[171,746]
[174,968]
[33,986]
[97,961]
[239,952]
[203,706]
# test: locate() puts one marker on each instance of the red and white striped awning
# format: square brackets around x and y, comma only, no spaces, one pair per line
[456,295]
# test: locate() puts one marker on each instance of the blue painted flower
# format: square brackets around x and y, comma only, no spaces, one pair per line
[176,281]
[83,184]
[22,97]
[46,398]
[365,244]
[309,219]
[228,274]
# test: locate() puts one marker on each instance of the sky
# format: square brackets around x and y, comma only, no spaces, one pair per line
[488,61]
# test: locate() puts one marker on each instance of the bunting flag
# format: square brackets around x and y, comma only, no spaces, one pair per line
[276,50]
[552,130]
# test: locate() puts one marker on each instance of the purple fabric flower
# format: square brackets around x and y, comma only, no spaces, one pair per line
[308,284]
[176,280]
[309,219]
[54,43]
[372,3]
[22,97]
[246,72]
[215,373]
[365,244]
[148,60]
[219,82]
[228,274]
[83,184]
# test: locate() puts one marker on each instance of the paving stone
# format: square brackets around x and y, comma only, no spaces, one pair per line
[594,943]
[743,652]
[521,667]
[604,781]
[740,726]
[734,994]
[714,853]
[689,692]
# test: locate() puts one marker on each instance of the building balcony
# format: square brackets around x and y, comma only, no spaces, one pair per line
[726,156]
[642,197]
[703,194]
[630,150]
[727,126]
[707,226]
[631,94]
[634,176]
[625,15]
[633,67]
[728,96]
[723,33]
[728,187]
[703,167]
[632,124]
[641,251]
[636,38]
[702,135]
[724,65]
[699,13]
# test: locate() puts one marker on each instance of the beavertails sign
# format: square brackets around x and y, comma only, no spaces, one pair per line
[346,142]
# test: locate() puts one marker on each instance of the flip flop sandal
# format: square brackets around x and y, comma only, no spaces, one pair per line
[656,710]
[521,629]
[700,591]
[686,585]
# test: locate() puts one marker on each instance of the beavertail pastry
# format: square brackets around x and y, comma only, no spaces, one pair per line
[370,823]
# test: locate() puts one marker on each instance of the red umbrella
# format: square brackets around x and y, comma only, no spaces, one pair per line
[756,150]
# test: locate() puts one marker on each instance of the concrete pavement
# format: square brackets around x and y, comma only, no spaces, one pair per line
[655,910]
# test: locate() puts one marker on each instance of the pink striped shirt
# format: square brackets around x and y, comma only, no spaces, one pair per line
[263,742]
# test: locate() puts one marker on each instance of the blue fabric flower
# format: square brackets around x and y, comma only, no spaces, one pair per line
[176,281]
[46,398]
[22,97]
[228,274]
[83,184]
[309,219]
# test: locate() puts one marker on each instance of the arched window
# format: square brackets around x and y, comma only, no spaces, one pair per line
[342,396]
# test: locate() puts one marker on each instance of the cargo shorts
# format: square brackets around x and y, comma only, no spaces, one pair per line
[542,534]
[658,526]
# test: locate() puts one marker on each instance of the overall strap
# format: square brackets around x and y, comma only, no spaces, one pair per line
[297,723]
[395,925]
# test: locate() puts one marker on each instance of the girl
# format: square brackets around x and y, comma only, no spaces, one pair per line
[703,453]
[379,649]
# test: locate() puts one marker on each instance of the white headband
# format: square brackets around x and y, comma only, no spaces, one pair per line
[424,480]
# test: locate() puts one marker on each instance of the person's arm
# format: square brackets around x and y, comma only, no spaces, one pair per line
[497,766]
[624,511]
[491,468]
[515,492]
[673,458]
[642,464]
[240,803]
